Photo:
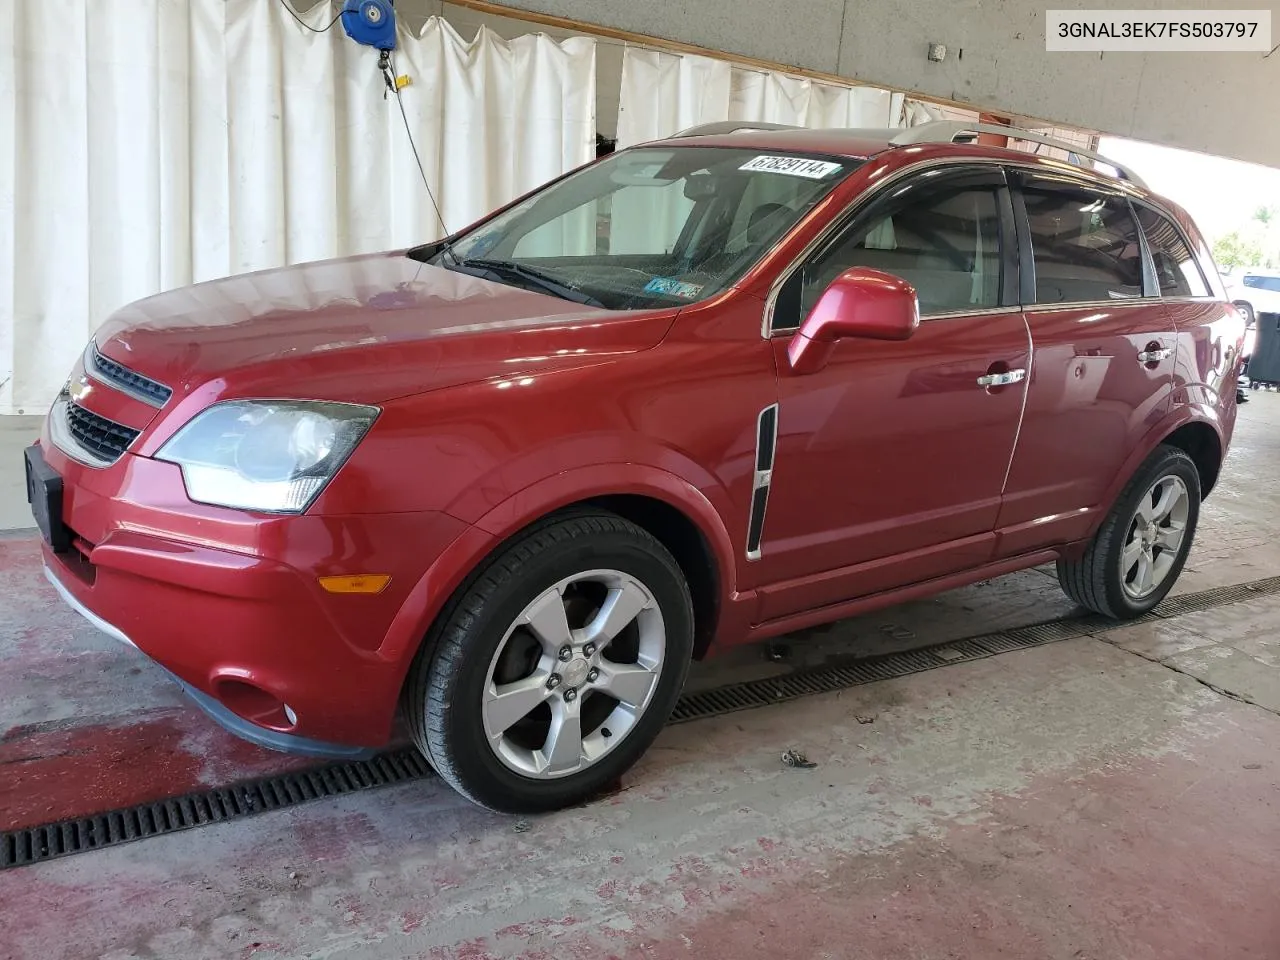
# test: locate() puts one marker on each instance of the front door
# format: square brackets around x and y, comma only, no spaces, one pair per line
[890,461]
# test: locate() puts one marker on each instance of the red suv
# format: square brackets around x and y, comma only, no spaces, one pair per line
[697,393]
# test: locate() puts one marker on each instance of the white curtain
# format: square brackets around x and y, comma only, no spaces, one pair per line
[916,112]
[146,144]
[798,101]
[663,93]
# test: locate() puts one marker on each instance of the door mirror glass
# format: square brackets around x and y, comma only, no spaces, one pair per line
[859,303]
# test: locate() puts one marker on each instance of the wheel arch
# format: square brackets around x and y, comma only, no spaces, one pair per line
[669,523]
[1201,442]
[678,532]
[680,515]
[676,513]
[1192,430]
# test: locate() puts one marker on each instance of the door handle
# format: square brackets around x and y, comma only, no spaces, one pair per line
[1002,379]
[1155,356]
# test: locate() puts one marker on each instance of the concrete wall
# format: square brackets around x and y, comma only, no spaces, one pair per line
[1219,103]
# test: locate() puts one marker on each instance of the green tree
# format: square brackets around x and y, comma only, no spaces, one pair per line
[1268,218]
[1233,250]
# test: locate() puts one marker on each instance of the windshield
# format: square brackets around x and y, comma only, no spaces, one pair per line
[649,227]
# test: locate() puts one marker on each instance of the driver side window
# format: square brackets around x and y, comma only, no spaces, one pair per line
[945,243]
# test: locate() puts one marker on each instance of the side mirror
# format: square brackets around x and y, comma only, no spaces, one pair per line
[861,302]
[1246,311]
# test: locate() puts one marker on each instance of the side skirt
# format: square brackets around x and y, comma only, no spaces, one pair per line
[926,588]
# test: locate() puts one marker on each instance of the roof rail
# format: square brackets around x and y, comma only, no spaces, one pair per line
[946,131]
[730,126]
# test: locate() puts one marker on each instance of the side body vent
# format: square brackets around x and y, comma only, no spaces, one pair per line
[766,447]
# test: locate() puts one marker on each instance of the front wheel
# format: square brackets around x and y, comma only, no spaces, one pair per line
[556,668]
[1137,555]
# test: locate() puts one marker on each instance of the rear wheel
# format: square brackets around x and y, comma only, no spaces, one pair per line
[558,666]
[1137,555]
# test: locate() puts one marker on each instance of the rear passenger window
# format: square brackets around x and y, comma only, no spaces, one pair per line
[1176,271]
[946,244]
[1086,246]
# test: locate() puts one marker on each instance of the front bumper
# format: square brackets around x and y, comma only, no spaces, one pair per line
[230,604]
[271,739]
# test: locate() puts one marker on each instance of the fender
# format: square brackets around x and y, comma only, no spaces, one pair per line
[1180,416]
[456,562]
[605,479]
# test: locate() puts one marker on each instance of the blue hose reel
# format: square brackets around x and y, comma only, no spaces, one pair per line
[370,22]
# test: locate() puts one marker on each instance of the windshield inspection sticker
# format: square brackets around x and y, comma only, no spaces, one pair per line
[673,288]
[792,167]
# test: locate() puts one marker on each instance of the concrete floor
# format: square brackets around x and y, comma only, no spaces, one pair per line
[1106,797]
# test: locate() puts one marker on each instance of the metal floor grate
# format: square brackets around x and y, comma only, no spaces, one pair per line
[851,672]
[31,845]
[20,848]
[1217,597]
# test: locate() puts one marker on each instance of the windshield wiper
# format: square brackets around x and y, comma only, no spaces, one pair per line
[508,269]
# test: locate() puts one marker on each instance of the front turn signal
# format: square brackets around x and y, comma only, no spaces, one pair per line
[356,583]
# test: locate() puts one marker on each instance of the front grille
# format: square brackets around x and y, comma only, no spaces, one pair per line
[105,439]
[120,376]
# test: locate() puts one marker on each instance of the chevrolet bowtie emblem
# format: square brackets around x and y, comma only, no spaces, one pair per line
[80,389]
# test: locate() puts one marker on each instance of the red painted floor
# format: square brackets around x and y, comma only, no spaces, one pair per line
[1073,802]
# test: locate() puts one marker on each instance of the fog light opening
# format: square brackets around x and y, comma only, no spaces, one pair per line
[255,704]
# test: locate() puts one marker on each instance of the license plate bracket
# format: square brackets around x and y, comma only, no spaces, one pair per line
[44,494]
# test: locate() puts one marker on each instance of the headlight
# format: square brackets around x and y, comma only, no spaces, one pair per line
[269,455]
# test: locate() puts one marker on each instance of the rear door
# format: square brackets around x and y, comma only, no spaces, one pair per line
[1105,351]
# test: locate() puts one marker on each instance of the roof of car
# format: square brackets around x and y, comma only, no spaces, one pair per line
[865,142]
[858,143]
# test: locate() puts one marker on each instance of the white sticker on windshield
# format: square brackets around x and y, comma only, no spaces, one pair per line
[792,167]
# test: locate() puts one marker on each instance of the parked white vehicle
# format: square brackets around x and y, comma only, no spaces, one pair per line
[1258,287]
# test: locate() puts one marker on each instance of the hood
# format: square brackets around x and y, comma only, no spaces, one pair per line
[362,329]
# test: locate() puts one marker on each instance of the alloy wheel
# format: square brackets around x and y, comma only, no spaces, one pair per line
[573,674]
[1155,539]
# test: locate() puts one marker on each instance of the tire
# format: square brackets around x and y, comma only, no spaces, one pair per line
[499,636]
[1103,580]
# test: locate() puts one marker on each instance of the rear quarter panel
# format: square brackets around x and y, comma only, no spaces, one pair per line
[1210,337]
[1210,343]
